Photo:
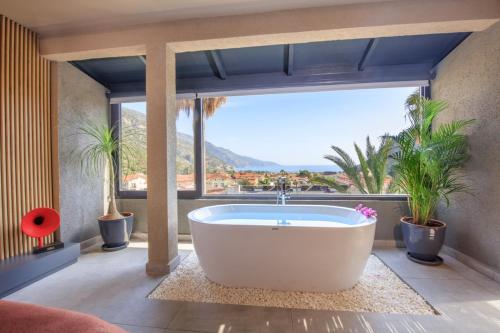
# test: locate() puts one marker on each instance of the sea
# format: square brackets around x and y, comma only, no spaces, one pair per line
[292,168]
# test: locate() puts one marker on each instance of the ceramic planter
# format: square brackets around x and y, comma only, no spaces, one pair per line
[129,218]
[423,242]
[116,233]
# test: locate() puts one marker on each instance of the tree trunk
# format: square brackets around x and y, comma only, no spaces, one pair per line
[113,213]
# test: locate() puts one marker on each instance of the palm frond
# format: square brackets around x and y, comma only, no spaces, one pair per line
[365,170]
[369,176]
[345,162]
[330,183]
[99,152]
[428,159]
[210,105]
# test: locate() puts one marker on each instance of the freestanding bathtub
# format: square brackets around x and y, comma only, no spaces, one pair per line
[292,247]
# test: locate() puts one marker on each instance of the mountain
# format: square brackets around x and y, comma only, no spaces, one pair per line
[216,158]
[234,160]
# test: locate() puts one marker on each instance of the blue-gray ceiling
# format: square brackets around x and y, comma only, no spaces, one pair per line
[387,59]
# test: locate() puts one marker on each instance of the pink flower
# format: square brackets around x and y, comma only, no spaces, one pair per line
[366,211]
[358,207]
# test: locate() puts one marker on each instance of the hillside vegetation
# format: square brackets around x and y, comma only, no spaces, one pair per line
[216,158]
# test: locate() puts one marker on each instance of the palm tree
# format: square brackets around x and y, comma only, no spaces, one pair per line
[330,182]
[99,152]
[369,176]
[210,105]
[428,159]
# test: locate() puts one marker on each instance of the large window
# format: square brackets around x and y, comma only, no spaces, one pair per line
[251,141]
[241,145]
[132,127]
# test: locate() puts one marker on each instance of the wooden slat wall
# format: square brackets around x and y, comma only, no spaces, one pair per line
[25,134]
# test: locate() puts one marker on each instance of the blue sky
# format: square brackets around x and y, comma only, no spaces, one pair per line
[299,128]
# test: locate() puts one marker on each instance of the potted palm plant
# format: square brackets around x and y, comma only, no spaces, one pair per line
[369,177]
[426,167]
[95,157]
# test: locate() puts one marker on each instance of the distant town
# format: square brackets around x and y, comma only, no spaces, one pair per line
[255,182]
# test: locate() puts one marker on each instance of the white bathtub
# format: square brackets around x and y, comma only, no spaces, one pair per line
[321,248]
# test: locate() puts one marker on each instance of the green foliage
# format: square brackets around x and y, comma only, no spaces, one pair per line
[244,182]
[133,132]
[427,160]
[330,182]
[305,173]
[265,181]
[369,176]
[99,152]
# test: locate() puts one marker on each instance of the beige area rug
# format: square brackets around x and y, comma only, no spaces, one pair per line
[379,290]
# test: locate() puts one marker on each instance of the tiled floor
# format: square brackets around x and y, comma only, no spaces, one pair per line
[113,286]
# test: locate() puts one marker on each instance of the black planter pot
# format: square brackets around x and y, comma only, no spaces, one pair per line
[129,218]
[423,242]
[116,233]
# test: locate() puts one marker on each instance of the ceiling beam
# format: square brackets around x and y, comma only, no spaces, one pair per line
[288,60]
[452,44]
[216,64]
[279,80]
[139,95]
[398,73]
[337,22]
[367,54]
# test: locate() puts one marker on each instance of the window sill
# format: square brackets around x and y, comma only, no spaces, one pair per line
[191,195]
[337,197]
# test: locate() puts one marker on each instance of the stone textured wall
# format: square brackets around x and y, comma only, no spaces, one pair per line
[387,226]
[469,81]
[139,208]
[80,100]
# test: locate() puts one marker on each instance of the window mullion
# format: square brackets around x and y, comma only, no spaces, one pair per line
[115,122]
[198,135]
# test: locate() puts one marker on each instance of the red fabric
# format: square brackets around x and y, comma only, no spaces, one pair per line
[26,318]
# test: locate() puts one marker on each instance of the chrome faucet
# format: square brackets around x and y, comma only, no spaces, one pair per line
[281,193]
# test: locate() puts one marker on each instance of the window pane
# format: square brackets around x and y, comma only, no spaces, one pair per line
[185,146]
[133,129]
[250,141]
[133,132]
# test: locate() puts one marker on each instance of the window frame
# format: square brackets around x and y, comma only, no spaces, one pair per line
[116,114]
[199,158]
[198,155]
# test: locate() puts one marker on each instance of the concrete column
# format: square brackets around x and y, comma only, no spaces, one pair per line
[161,138]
